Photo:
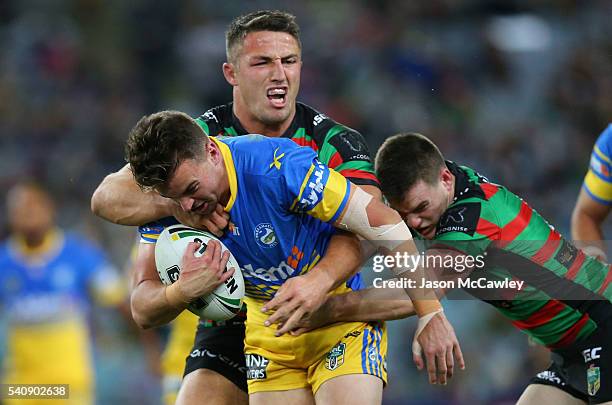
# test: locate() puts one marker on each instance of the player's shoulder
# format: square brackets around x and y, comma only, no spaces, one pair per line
[216,119]
[258,146]
[603,145]
[327,132]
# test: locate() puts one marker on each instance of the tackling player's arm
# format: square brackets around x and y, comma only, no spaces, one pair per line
[155,304]
[384,227]
[587,218]
[367,305]
[118,199]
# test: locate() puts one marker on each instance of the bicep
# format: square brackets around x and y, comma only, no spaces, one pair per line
[587,205]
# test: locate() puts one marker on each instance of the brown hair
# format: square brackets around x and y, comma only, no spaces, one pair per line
[403,160]
[159,142]
[264,20]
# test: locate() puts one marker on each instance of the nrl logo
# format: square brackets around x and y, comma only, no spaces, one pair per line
[335,357]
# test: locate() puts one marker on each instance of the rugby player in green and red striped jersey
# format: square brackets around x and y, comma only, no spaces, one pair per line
[565,301]
[561,297]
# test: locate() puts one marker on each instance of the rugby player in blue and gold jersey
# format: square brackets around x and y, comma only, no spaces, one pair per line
[595,199]
[274,185]
[48,283]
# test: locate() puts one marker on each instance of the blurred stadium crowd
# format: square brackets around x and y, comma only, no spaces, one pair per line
[518,90]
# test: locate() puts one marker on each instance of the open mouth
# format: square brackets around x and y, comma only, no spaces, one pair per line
[425,231]
[200,208]
[277,96]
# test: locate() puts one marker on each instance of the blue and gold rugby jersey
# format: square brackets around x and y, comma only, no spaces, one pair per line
[282,204]
[45,297]
[598,180]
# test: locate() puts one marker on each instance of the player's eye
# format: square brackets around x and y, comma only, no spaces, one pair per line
[420,208]
[290,61]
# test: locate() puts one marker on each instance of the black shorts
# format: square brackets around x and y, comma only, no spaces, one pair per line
[220,349]
[585,370]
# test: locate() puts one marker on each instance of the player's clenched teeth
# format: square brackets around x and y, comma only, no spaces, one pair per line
[277,96]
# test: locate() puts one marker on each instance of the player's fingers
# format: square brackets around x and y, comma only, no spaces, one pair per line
[208,255]
[442,369]
[281,314]
[430,359]
[220,220]
[225,276]
[459,355]
[299,331]
[450,363]
[418,361]
[216,253]
[212,227]
[279,298]
[192,247]
[291,323]
[219,209]
[224,259]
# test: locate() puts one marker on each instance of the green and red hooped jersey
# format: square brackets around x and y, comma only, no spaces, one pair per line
[339,147]
[565,295]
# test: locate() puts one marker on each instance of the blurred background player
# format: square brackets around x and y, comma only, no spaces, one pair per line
[48,283]
[595,199]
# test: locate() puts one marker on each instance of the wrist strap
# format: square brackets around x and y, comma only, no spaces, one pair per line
[423,321]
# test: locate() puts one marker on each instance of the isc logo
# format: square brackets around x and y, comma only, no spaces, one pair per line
[173,273]
[591,354]
[319,118]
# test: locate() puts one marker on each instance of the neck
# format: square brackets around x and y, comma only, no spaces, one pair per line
[36,242]
[253,125]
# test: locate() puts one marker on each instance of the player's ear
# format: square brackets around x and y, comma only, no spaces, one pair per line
[213,152]
[229,72]
[446,177]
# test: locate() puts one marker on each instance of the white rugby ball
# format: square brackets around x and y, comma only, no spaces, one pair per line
[221,304]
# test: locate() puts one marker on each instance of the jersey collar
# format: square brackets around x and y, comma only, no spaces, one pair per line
[228,161]
[52,243]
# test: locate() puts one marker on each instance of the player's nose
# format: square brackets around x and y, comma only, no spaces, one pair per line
[278,71]
[186,203]
[414,221]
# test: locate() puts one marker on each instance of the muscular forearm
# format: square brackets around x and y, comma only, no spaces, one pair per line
[585,227]
[118,199]
[371,304]
[342,259]
[150,307]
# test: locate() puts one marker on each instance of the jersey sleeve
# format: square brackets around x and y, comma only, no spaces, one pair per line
[311,187]
[598,180]
[149,233]
[346,151]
